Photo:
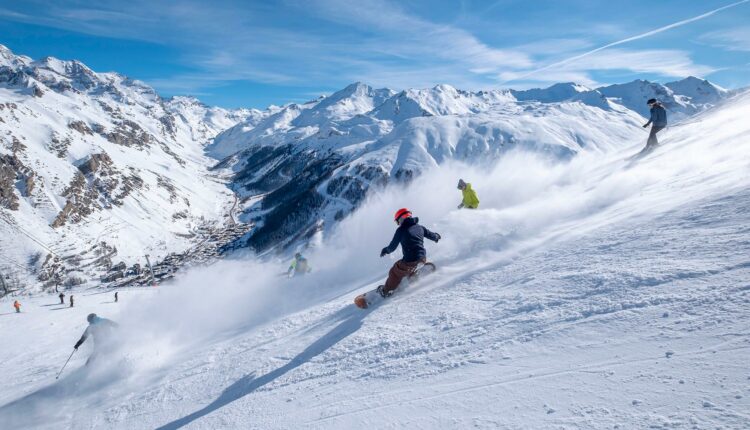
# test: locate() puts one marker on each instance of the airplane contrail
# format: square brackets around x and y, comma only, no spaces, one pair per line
[629,39]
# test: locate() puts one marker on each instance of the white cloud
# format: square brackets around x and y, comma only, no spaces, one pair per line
[673,63]
[554,46]
[735,39]
[400,34]
[577,58]
[667,63]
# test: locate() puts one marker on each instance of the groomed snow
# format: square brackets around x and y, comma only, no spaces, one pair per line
[598,293]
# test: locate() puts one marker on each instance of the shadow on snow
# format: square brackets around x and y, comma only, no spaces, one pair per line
[352,321]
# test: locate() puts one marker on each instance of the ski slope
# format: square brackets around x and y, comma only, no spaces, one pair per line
[597,293]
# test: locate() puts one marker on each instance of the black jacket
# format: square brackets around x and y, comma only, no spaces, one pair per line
[658,116]
[411,237]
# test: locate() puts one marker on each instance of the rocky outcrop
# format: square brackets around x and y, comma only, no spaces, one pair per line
[168,185]
[81,202]
[8,110]
[81,127]
[171,153]
[130,134]
[36,91]
[96,185]
[169,128]
[8,197]
[59,145]
[15,179]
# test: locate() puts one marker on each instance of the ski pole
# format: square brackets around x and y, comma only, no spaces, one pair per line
[66,363]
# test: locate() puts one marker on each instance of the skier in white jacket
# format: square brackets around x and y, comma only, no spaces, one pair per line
[102,331]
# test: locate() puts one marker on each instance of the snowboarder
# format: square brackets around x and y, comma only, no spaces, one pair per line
[62,298]
[71,301]
[102,330]
[299,266]
[659,121]
[411,237]
[470,199]
[116,298]
[17,305]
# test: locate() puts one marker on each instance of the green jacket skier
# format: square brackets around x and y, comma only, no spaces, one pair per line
[470,199]
[299,266]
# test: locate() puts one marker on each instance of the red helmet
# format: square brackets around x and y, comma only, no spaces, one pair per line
[403,212]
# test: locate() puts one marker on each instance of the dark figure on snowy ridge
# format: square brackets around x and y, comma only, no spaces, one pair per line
[659,121]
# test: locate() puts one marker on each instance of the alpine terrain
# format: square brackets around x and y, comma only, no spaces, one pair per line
[590,289]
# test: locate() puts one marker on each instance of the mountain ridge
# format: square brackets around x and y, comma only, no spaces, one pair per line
[97,168]
[80,147]
[414,130]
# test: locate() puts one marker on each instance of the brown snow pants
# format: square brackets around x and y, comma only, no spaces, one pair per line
[399,271]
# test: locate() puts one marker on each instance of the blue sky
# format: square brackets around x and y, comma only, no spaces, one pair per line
[256,53]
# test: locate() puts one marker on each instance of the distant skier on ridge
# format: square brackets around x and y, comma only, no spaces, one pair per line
[411,237]
[470,199]
[659,121]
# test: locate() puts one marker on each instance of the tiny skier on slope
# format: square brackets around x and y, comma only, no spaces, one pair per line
[62,298]
[17,305]
[659,121]
[411,237]
[102,330]
[299,266]
[470,199]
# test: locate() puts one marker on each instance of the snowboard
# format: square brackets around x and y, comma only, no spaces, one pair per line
[373,297]
[648,149]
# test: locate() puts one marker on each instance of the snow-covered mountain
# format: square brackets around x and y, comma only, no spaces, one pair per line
[602,293]
[306,166]
[96,168]
[681,98]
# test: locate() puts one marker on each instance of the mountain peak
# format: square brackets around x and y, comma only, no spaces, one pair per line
[445,88]
[554,93]
[186,101]
[8,58]
[692,83]
[5,51]
[359,85]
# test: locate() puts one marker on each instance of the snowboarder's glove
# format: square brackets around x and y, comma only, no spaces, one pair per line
[77,344]
[437,237]
[384,252]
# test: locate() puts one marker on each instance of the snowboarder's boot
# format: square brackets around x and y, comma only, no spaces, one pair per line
[383,293]
[371,297]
